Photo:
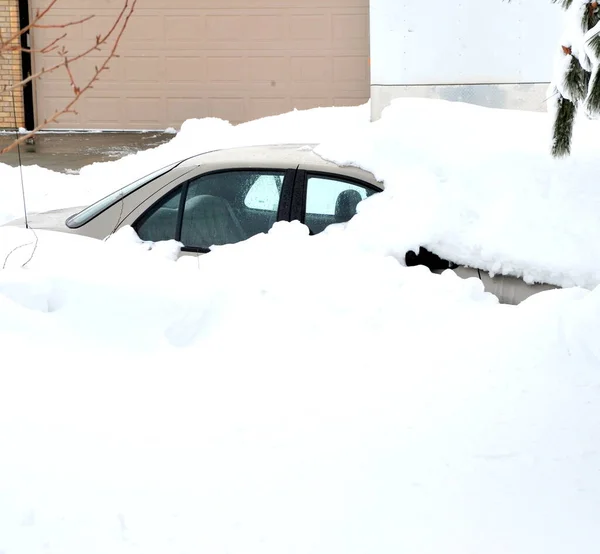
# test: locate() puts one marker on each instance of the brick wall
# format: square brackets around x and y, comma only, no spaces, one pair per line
[10,67]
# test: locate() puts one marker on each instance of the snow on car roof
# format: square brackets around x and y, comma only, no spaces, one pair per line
[278,155]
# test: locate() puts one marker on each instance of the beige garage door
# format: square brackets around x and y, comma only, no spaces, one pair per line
[233,59]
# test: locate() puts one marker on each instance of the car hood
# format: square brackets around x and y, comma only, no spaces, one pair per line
[53,220]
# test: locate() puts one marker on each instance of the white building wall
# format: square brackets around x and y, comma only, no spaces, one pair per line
[489,52]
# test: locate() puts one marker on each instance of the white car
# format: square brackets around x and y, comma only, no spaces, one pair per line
[229,195]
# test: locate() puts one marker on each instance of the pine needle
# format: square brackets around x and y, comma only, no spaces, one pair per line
[566,4]
[575,81]
[593,97]
[563,128]
[590,17]
[594,44]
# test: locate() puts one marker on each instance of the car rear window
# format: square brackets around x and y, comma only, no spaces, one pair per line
[89,213]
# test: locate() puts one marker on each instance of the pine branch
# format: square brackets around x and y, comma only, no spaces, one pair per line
[594,45]
[576,81]
[590,16]
[593,96]
[563,128]
[566,4]
[594,13]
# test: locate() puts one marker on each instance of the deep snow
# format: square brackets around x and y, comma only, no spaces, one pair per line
[290,397]
[297,393]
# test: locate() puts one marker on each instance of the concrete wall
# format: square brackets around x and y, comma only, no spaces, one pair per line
[487,52]
[10,66]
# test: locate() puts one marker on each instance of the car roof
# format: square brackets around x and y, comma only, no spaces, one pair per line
[277,156]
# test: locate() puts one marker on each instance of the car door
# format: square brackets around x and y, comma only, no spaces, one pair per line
[322,198]
[219,207]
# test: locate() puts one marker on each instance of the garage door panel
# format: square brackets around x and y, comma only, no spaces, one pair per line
[185,69]
[264,107]
[351,69]
[146,69]
[310,27]
[145,28]
[236,59]
[185,28]
[145,111]
[232,109]
[179,108]
[104,111]
[312,69]
[268,70]
[100,24]
[350,26]
[225,69]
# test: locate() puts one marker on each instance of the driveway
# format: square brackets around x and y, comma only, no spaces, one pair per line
[71,151]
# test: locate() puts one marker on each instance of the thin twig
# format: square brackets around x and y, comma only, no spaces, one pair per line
[16,37]
[71,78]
[45,50]
[123,18]
[100,40]
[61,25]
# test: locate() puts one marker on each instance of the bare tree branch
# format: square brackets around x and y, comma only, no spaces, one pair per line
[13,44]
[62,25]
[46,49]
[35,24]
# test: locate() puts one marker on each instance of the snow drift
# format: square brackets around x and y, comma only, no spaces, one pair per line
[297,393]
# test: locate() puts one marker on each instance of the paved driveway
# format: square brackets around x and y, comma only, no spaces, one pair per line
[71,151]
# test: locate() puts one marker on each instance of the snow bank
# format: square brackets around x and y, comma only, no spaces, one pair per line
[291,393]
[478,186]
[297,393]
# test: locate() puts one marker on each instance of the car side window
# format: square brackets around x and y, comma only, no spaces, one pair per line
[219,208]
[332,200]
[264,193]
[159,222]
[230,206]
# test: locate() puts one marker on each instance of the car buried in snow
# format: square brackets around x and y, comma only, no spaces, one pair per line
[227,196]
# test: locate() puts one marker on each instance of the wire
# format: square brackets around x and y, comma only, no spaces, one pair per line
[19,155]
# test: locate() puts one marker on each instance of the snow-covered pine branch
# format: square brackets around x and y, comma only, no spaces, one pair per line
[576,79]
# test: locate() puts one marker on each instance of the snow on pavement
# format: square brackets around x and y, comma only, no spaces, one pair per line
[297,393]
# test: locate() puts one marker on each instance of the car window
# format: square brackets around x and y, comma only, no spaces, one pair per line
[332,200]
[264,193]
[219,208]
[160,221]
[92,211]
[230,206]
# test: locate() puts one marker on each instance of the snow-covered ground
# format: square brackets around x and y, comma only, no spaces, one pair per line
[299,393]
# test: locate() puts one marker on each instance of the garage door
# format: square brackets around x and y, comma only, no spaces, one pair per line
[232,59]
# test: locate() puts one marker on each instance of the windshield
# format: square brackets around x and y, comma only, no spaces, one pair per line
[89,213]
